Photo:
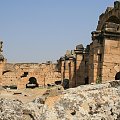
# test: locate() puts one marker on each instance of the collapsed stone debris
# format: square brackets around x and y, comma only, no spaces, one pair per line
[87,102]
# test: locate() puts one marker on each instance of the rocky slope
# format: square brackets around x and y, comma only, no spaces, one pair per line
[88,102]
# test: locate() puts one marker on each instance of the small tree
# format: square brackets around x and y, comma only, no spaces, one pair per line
[98,80]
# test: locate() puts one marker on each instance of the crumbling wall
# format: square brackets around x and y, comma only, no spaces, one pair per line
[20,73]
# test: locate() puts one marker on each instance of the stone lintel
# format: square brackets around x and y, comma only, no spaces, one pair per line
[71,58]
[78,51]
[96,35]
[114,35]
[105,34]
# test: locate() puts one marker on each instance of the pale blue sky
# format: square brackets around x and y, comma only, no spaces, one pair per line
[40,30]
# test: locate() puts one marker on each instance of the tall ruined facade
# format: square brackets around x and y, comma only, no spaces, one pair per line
[99,61]
[105,48]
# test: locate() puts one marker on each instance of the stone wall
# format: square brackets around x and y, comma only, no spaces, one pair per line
[111,64]
[105,48]
[20,73]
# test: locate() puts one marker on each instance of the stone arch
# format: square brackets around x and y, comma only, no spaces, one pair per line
[112,15]
[117,76]
[113,19]
[58,82]
[32,83]
[86,80]
[6,71]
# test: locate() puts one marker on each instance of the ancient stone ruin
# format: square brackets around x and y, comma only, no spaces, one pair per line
[25,75]
[98,62]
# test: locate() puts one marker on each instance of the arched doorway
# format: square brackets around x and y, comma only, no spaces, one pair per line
[58,82]
[86,80]
[117,76]
[32,83]
[113,19]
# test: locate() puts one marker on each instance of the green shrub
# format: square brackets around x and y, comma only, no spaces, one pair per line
[98,80]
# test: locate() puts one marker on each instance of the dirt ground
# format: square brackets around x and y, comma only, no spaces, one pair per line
[24,95]
[28,95]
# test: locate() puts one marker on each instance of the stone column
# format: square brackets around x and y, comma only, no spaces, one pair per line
[67,68]
[2,64]
[111,62]
[96,57]
[79,67]
[62,68]
[72,73]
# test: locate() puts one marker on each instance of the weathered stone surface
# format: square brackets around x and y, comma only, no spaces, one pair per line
[102,57]
[19,74]
[10,109]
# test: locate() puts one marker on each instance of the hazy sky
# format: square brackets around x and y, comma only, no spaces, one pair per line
[40,30]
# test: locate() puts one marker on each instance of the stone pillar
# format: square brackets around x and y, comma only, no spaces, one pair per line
[72,73]
[62,69]
[66,69]
[111,63]
[96,55]
[105,53]
[79,67]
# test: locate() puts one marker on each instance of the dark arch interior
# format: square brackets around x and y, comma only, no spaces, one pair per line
[6,71]
[66,83]
[114,19]
[58,82]
[86,80]
[32,83]
[117,77]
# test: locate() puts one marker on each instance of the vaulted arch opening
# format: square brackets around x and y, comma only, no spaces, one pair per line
[113,19]
[66,83]
[117,76]
[32,83]
[86,80]
[58,82]
[112,24]
[6,71]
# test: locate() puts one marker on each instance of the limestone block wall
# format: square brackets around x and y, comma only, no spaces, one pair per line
[20,73]
[111,64]
[95,59]
[80,69]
